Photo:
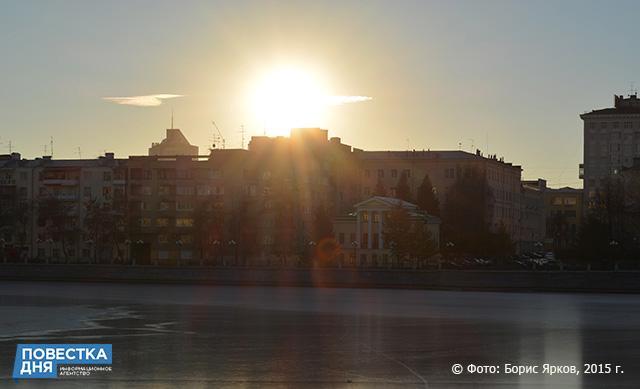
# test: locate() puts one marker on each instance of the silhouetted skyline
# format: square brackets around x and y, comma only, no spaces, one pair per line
[511,75]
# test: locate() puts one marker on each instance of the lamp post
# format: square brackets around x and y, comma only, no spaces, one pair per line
[127,243]
[449,246]
[355,251]
[614,245]
[89,242]
[312,246]
[139,242]
[216,251]
[50,244]
[3,245]
[179,256]
[234,244]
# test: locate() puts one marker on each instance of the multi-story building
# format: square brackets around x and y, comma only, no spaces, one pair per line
[174,144]
[444,167]
[50,200]
[272,199]
[532,216]
[611,141]
[564,212]
[360,234]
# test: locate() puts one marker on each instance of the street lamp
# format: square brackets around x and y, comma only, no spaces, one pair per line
[355,245]
[89,242]
[50,244]
[4,254]
[216,251]
[127,243]
[614,244]
[139,242]
[234,244]
[179,257]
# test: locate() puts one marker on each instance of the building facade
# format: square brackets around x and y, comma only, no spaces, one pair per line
[564,214]
[265,203]
[611,141]
[361,234]
[384,168]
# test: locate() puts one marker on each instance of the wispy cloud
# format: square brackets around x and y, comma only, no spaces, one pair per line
[339,100]
[142,101]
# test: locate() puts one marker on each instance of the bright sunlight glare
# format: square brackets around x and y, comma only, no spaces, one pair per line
[287,98]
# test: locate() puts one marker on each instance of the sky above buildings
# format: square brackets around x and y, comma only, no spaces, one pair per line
[506,77]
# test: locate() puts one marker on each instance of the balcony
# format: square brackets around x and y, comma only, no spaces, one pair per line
[60,181]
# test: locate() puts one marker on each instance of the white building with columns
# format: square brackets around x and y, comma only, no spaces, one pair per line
[360,234]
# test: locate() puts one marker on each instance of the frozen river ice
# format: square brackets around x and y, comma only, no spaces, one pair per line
[207,336]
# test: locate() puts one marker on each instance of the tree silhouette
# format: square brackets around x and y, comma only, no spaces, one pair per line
[426,198]
[403,191]
[380,190]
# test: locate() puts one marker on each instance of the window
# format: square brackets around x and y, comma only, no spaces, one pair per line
[146,174]
[23,176]
[106,192]
[570,201]
[164,190]
[163,254]
[341,238]
[449,172]
[365,216]
[162,222]
[184,222]
[184,206]
[163,238]
[407,173]
[215,174]
[394,173]
[185,190]
[145,222]
[380,173]
[86,191]
[146,190]
[365,239]
[367,191]
[86,175]
[557,201]
[186,254]
[376,217]
[183,174]
[203,190]
[367,173]
[106,176]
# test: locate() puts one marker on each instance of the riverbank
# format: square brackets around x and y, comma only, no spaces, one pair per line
[489,280]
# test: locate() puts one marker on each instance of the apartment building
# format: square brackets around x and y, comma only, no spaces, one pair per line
[611,142]
[443,168]
[37,188]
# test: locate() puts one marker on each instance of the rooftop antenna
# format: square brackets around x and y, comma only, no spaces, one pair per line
[217,137]
[45,150]
[79,153]
[632,89]
[242,134]
[51,143]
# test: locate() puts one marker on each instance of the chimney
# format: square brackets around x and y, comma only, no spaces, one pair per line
[108,155]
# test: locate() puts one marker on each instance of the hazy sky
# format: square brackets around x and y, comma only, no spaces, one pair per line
[513,75]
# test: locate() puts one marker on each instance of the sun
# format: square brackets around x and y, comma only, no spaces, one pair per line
[289,97]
